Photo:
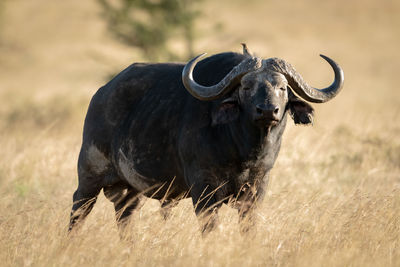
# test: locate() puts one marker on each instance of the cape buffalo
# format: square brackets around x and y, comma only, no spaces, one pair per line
[209,130]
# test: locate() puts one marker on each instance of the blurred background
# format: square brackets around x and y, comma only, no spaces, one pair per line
[53,49]
[55,54]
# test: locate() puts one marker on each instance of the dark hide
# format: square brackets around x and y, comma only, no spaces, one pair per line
[144,134]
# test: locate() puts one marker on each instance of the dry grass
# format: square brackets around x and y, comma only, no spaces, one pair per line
[334,198]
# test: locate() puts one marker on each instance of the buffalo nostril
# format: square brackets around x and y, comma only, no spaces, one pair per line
[267,109]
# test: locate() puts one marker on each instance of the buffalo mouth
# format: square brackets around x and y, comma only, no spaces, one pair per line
[266,122]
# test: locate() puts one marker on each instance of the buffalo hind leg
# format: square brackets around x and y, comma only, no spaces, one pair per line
[125,199]
[83,201]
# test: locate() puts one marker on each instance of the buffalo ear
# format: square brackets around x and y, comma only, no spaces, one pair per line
[226,112]
[301,112]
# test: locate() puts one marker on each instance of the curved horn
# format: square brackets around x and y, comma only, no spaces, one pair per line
[213,92]
[305,91]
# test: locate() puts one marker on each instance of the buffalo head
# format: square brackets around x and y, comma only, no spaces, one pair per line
[262,90]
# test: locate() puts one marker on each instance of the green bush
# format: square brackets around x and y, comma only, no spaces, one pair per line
[150,24]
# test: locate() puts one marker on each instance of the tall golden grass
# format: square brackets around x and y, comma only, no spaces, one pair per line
[334,197]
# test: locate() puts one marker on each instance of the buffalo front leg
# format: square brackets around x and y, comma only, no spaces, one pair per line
[245,205]
[249,197]
[206,200]
[206,206]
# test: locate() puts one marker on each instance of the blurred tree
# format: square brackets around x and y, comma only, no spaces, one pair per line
[150,24]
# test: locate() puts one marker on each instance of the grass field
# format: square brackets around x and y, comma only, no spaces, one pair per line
[334,197]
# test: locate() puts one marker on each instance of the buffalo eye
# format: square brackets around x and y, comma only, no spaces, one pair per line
[230,101]
[247,84]
[283,88]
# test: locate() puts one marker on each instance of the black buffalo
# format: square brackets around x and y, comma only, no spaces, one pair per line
[156,130]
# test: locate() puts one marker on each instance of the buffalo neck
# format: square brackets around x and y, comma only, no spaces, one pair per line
[253,142]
